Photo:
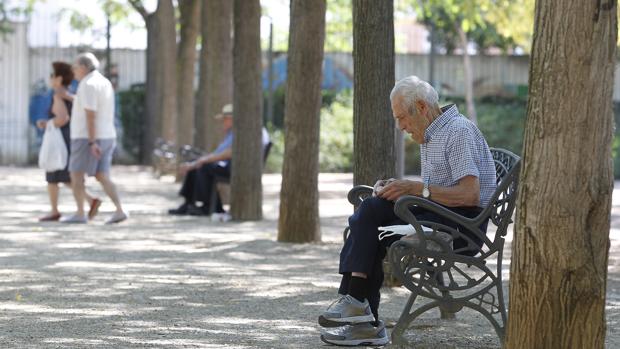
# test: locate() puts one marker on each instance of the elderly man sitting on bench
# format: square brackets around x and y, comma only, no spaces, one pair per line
[457,172]
[200,174]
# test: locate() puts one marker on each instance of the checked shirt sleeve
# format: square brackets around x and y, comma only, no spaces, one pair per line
[462,154]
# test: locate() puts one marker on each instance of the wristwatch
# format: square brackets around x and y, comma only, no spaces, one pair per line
[425,192]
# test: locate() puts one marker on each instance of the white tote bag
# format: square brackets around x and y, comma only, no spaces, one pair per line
[53,155]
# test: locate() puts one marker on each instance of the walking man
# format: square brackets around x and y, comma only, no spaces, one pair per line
[93,136]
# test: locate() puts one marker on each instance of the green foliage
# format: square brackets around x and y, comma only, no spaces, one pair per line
[10,10]
[327,98]
[502,121]
[339,26]
[276,153]
[336,139]
[336,145]
[132,119]
[498,23]
[514,20]
[116,10]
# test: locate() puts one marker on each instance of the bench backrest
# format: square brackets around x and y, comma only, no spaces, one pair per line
[503,201]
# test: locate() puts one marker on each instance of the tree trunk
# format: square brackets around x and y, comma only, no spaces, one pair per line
[247,160]
[559,255]
[190,19]
[373,61]
[166,50]
[469,76]
[152,118]
[299,197]
[157,24]
[216,74]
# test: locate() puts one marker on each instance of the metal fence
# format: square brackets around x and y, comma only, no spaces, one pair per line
[25,70]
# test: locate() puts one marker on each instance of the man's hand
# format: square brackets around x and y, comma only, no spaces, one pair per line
[41,123]
[64,94]
[186,167]
[399,187]
[380,185]
[95,150]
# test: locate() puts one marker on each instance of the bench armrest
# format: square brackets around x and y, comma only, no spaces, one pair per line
[358,193]
[401,208]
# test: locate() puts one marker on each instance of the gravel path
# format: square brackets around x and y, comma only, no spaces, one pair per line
[184,282]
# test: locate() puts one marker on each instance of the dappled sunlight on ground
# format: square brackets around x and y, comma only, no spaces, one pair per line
[186,282]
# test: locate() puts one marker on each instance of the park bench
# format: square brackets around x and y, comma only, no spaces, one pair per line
[427,265]
[166,161]
[164,158]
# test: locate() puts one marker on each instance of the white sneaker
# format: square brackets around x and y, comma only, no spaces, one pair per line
[220,217]
[117,218]
[74,219]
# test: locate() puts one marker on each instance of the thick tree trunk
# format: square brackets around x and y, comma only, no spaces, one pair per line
[373,61]
[190,21]
[247,160]
[166,49]
[216,74]
[560,251]
[468,76]
[299,197]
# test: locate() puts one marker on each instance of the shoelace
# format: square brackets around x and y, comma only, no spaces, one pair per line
[340,299]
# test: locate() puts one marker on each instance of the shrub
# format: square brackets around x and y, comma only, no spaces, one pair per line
[336,139]
[131,114]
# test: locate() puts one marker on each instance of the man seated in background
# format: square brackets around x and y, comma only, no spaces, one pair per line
[201,173]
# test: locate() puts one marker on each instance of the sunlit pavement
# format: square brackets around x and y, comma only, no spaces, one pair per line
[158,281]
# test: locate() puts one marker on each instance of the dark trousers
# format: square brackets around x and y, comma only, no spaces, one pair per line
[199,184]
[364,253]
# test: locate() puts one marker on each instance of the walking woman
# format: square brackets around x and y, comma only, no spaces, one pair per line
[60,79]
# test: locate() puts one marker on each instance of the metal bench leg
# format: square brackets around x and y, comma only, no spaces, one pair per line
[445,314]
[403,322]
[407,318]
[213,197]
[501,307]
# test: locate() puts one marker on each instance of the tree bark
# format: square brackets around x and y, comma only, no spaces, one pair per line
[247,160]
[216,74]
[189,21]
[469,76]
[561,246]
[299,197]
[151,118]
[166,50]
[373,60]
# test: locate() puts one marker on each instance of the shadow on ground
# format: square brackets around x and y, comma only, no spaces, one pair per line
[184,282]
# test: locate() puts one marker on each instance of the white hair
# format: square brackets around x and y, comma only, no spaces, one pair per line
[413,89]
[88,60]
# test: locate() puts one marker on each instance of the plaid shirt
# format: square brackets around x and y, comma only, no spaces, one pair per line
[455,148]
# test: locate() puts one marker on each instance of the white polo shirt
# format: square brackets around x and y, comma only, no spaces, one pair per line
[95,93]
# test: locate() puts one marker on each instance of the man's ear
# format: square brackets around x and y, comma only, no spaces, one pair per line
[420,107]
